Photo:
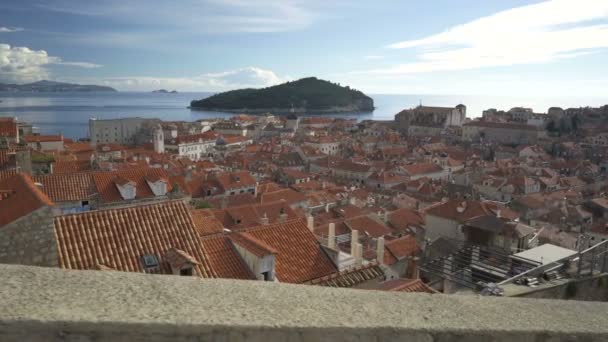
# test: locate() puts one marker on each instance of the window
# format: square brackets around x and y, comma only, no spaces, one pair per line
[266,276]
[150,262]
[84,203]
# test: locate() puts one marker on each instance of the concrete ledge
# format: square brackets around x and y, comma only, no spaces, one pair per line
[44,304]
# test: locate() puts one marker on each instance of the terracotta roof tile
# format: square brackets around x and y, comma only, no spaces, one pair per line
[235,180]
[405,217]
[8,127]
[19,196]
[42,138]
[405,285]
[205,222]
[7,173]
[224,259]
[369,226]
[105,182]
[403,247]
[253,245]
[290,196]
[299,255]
[350,277]
[422,168]
[67,187]
[70,166]
[119,238]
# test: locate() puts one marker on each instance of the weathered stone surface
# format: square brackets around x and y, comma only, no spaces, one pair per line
[46,304]
[30,240]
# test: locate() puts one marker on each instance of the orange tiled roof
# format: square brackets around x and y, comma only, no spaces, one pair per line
[224,259]
[42,138]
[367,225]
[67,187]
[253,245]
[8,127]
[106,186]
[422,168]
[405,285]
[351,277]
[462,211]
[290,196]
[235,180]
[7,159]
[205,223]
[299,256]
[69,166]
[118,238]
[404,217]
[403,247]
[19,196]
[7,173]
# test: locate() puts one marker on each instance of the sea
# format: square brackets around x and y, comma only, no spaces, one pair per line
[69,113]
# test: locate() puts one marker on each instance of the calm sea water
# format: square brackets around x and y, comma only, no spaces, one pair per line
[69,113]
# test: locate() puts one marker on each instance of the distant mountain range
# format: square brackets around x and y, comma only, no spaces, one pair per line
[52,87]
[307,95]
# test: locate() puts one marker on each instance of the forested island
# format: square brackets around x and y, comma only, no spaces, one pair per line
[52,87]
[307,95]
[164,91]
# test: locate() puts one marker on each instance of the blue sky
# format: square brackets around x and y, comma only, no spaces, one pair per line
[467,47]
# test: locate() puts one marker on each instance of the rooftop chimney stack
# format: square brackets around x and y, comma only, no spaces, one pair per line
[359,255]
[331,238]
[264,220]
[380,250]
[310,223]
[354,240]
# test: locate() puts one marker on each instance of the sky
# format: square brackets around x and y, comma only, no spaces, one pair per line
[468,47]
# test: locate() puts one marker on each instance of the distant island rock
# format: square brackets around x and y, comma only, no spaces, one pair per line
[53,87]
[307,95]
[164,91]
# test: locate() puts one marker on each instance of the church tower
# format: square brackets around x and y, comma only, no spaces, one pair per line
[159,140]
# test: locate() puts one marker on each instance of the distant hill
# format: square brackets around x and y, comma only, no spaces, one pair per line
[52,87]
[307,95]
[164,91]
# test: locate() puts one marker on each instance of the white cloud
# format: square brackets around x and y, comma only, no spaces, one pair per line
[249,77]
[538,33]
[198,16]
[85,65]
[22,64]
[373,57]
[10,29]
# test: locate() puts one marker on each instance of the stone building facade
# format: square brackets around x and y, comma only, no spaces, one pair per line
[30,240]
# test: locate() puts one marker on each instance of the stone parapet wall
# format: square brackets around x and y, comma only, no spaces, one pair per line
[47,304]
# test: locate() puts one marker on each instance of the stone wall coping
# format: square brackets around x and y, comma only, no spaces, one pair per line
[38,303]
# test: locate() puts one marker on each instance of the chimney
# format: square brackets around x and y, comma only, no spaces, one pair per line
[264,219]
[282,215]
[310,223]
[331,238]
[498,213]
[327,207]
[354,240]
[359,255]
[380,250]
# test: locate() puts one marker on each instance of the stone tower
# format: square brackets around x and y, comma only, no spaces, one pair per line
[159,140]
